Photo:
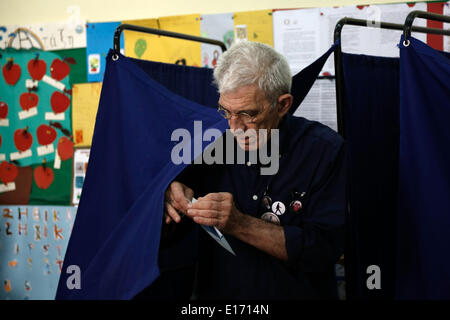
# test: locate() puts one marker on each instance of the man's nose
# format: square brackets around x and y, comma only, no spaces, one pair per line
[236,123]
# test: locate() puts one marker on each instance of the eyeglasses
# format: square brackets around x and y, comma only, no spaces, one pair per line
[245,117]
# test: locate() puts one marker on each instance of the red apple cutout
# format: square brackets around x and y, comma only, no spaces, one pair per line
[28,100]
[43,176]
[11,72]
[37,68]
[59,102]
[59,69]
[8,172]
[45,134]
[23,139]
[65,148]
[3,110]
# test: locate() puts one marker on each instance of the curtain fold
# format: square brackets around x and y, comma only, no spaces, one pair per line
[372,129]
[116,235]
[423,268]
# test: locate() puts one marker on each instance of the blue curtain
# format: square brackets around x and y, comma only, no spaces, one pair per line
[116,235]
[396,124]
[423,269]
[372,137]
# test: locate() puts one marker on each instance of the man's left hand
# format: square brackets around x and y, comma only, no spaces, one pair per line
[216,209]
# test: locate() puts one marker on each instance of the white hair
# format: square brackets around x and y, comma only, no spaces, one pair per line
[248,63]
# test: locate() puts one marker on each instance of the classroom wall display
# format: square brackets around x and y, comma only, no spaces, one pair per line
[219,27]
[49,36]
[85,102]
[33,242]
[50,185]
[21,189]
[99,41]
[78,70]
[35,105]
[302,34]
[136,42]
[254,26]
[165,49]
[80,164]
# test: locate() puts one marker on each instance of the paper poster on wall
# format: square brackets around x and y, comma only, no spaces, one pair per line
[35,101]
[218,27]
[85,102]
[320,103]
[166,49]
[257,24]
[313,32]
[49,36]
[99,40]
[296,36]
[80,163]
[136,42]
[369,41]
[33,243]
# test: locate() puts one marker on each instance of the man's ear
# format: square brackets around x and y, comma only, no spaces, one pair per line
[284,104]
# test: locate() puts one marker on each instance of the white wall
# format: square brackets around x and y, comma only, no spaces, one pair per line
[41,11]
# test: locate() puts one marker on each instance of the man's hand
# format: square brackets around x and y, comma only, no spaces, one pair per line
[177,197]
[216,209]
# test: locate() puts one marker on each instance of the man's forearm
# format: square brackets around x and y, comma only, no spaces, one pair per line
[261,234]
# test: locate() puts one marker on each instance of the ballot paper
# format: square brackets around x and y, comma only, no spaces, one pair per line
[217,235]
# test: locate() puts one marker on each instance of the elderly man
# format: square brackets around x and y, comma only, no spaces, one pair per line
[286,229]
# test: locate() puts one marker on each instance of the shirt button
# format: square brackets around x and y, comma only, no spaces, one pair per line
[255,197]
[249,163]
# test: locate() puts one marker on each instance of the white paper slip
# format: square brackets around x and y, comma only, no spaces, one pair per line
[217,235]
[20,155]
[2,156]
[42,150]
[54,116]
[7,187]
[4,122]
[31,83]
[57,162]
[54,83]
[222,241]
[28,113]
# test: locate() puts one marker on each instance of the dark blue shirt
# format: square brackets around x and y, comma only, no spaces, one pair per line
[312,171]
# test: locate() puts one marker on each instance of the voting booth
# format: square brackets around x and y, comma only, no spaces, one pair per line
[87,109]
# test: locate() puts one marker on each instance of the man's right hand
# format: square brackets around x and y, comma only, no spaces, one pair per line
[177,197]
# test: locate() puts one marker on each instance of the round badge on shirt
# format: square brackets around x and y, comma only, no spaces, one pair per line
[267,201]
[278,208]
[270,217]
[296,205]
